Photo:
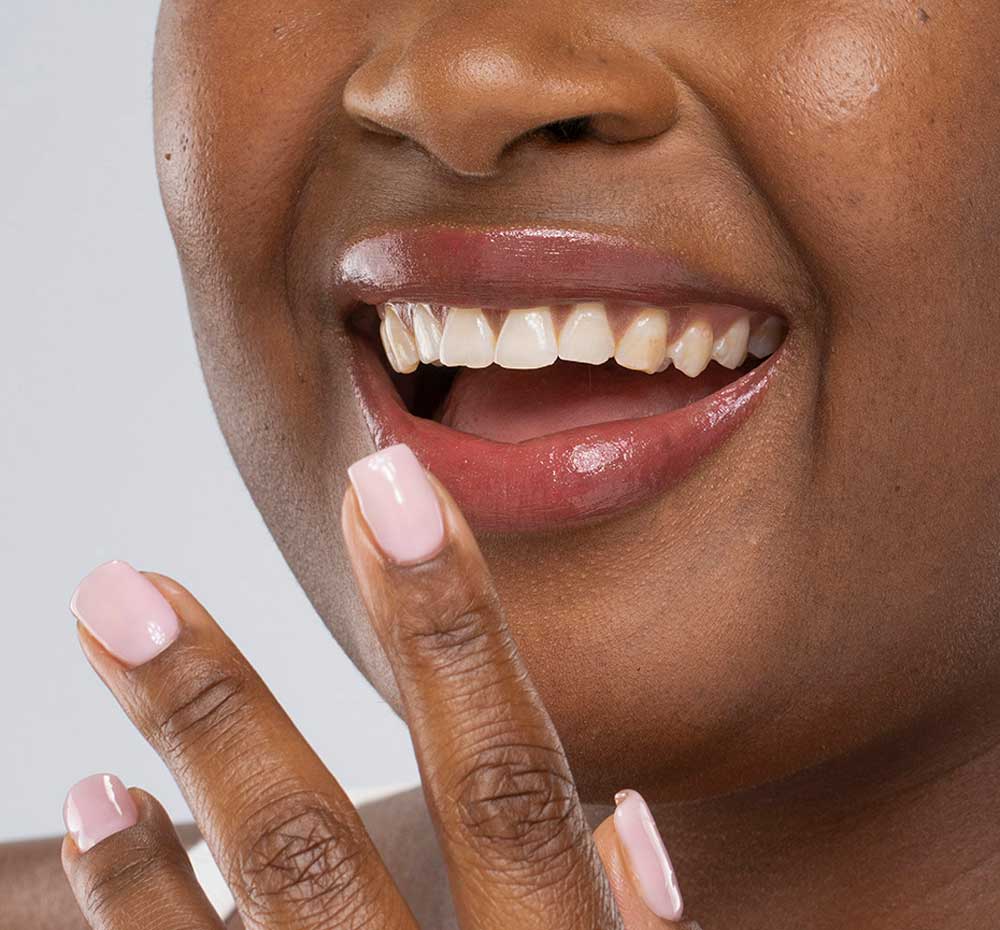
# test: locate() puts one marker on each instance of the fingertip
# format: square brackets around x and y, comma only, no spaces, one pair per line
[350,515]
[69,855]
[399,505]
[98,807]
[125,613]
[190,612]
[649,862]
[167,586]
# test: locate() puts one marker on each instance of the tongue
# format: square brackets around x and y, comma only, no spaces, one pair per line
[511,406]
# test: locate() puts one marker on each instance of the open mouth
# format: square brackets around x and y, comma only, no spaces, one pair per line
[514,374]
[541,411]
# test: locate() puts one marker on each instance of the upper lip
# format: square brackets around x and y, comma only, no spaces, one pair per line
[509,266]
[567,476]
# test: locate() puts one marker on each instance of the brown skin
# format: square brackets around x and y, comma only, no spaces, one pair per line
[518,848]
[828,644]
[823,152]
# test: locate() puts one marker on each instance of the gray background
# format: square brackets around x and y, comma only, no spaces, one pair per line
[110,448]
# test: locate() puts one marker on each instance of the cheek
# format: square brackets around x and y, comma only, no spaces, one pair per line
[887,176]
[832,74]
[873,130]
[243,94]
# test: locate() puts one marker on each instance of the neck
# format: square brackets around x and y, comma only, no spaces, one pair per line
[898,836]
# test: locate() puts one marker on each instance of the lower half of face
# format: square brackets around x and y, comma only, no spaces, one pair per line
[702,341]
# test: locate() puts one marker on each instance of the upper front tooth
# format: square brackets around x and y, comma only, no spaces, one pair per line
[427,332]
[527,339]
[765,336]
[644,345]
[730,349]
[467,339]
[398,342]
[586,335]
[693,351]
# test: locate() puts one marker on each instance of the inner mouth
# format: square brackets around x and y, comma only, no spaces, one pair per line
[519,373]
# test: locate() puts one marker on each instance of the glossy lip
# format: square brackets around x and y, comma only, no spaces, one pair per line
[517,266]
[566,478]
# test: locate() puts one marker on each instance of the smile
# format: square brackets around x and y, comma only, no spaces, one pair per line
[545,411]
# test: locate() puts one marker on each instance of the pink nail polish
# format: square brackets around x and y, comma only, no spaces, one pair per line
[399,504]
[125,613]
[96,808]
[647,856]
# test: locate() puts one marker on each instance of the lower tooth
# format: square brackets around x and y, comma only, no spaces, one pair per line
[467,339]
[693,351]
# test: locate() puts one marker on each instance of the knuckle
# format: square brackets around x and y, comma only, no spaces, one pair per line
[133,865]
[210,698]
[445,634]
[302,862]
[518,802]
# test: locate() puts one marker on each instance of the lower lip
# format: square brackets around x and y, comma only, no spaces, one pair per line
[564,479]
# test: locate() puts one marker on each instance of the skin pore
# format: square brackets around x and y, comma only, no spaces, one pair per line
[793,653]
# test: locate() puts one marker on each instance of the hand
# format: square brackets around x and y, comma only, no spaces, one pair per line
[519,853]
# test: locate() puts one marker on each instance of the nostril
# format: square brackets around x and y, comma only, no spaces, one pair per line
[567,130]
[378,129]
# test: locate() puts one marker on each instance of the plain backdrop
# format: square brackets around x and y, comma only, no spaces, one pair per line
[110,447]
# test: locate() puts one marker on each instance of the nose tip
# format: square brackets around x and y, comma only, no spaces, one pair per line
[466,99]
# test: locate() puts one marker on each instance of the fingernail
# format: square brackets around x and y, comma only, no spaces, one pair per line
[125,613]
[647,856]
[96,808]
[399,504]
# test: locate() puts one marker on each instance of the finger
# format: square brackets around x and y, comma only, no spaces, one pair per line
[125,862]
[517,845]
[640,871]
[284,833]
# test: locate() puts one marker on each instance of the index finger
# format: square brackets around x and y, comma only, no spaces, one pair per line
[519,850]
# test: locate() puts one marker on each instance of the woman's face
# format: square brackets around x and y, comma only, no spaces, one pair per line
[706,600]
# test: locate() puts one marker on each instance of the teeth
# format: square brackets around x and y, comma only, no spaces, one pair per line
[693,351]
[427,332]
[730,349]
[766,336]
[398,342]
[412,333]
[586,335]
[527,339]
[467,339]
[644,345]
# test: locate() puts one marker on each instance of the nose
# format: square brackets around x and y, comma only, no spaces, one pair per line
[468,85]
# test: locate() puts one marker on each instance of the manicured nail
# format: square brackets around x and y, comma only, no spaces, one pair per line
[96,808]
[399,504]
[647,856]
[125,613]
